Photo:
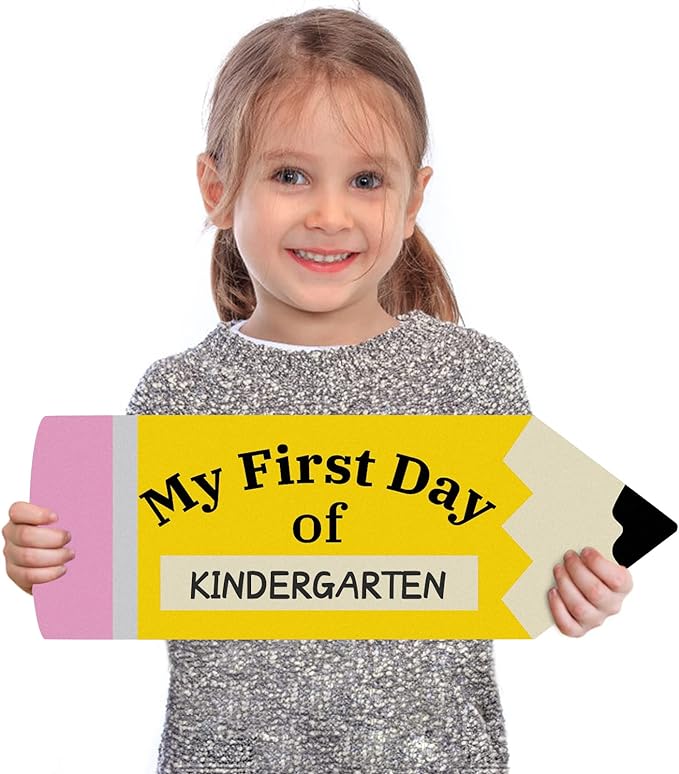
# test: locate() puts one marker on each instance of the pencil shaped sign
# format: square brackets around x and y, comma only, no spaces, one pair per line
[321,527]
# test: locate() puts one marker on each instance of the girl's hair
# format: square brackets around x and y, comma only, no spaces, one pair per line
[275,64]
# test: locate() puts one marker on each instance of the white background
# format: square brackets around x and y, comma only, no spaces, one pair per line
[554,205]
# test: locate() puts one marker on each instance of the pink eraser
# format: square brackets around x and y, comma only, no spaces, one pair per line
[72,475]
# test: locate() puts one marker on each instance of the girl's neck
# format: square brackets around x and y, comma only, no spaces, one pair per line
[315,328]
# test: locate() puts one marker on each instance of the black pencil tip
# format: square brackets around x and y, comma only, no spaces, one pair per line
[643,527]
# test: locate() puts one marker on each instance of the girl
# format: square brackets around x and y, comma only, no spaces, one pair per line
[332,301]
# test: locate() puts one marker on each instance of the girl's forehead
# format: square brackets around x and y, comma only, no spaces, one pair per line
[295,118]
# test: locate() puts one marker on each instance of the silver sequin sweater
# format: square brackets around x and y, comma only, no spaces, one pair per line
[331,706]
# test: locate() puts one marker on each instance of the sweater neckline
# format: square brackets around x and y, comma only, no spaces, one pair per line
[236,326]
[409,322]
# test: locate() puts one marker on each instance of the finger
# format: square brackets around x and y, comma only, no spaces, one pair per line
[25,578]
[38,537]
[29,513]
[23,556]
[562,618]
[615,576]
[597,593]
[577,605]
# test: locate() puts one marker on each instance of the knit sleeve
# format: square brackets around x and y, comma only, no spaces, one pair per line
[147,397]
[502,389]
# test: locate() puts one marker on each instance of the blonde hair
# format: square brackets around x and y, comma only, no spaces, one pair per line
[276,61]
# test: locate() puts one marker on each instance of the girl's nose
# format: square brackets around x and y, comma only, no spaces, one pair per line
[330,211]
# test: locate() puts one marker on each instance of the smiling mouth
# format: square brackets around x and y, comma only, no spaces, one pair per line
[310,255]
[323,263]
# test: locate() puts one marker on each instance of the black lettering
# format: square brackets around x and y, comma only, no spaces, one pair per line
[228,578]
[195,585]
[362,474]
[256,594]
[399,475]
[167,501]
[298,585]
[335,467]
[390,574]
[210,491]
[349,581]
[278,583]
[369,584]
[297,528]
[430,581]
[447,500]
[470,513]
[412,584]
[251,470]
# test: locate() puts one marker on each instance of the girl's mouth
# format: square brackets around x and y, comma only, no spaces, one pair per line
[333,265]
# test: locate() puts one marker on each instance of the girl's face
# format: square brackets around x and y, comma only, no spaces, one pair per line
[309,187]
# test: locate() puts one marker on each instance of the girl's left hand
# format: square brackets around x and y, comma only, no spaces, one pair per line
[589,588]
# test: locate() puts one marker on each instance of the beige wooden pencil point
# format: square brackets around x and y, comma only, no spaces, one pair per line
[567,483]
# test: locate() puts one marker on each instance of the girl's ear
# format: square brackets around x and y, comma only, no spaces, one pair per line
[416,199]
[211,189]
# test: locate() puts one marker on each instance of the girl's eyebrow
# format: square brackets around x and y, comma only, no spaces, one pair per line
[388,162]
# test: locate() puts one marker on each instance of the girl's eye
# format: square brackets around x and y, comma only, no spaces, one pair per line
[368,176]
[287,176]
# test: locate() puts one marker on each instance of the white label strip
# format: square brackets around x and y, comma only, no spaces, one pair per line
[319,583]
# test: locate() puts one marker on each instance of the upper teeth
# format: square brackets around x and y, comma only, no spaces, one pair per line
[321,258]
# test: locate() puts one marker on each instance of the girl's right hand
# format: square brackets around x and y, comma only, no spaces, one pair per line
[34,554]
